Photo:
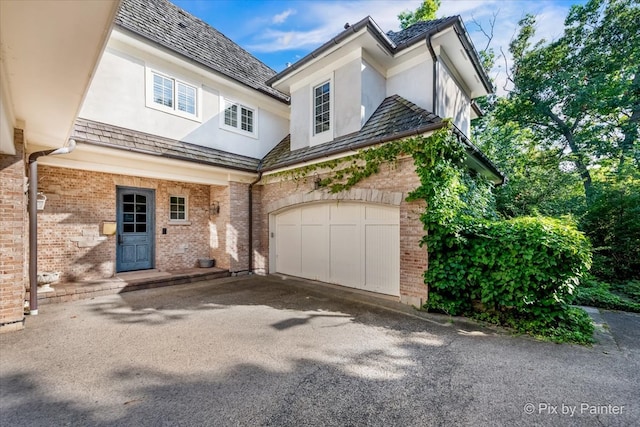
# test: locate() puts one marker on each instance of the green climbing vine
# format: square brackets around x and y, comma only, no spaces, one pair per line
[520,272]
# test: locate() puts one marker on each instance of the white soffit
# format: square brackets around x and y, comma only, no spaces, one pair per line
[49,51]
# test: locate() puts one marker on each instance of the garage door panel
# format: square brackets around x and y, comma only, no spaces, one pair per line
[314,252]
[289,217]
[345,257]
[345,213]
[381,214]
[288,249]
[382,258]
[315,214]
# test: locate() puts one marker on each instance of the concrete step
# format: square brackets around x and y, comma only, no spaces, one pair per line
[126,282]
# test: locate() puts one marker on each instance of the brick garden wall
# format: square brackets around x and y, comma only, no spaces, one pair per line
[69,229]
[398,178]
[13,237]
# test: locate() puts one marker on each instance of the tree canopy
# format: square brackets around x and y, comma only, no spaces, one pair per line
[579,94]
[425,12]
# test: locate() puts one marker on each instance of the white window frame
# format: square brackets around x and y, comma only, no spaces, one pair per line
[226,103]
[184,220]
[176,82]
[327,135]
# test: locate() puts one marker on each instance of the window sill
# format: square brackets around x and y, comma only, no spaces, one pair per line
[177,113]
[179,222]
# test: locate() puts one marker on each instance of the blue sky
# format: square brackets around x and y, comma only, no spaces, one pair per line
[282,31]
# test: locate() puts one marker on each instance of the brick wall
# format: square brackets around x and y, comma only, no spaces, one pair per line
[13,237]
[392,179]
[238,227]
[70,238]
[218,227]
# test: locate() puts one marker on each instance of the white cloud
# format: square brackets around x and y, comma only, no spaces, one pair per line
[323,20]
[281,17]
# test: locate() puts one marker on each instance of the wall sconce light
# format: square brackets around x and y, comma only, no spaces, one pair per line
[41,200]
[214,209]
[316,182]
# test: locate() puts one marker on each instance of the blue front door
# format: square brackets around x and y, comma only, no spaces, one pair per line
[136,223]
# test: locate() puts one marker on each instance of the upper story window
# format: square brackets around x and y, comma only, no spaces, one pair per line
[172,95]
[322,108]
[238,117]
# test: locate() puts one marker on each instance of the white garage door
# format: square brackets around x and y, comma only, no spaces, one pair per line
[350,244]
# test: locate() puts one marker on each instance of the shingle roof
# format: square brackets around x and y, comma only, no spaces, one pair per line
[168,25]
[418,30]
[395,118]
[105,135]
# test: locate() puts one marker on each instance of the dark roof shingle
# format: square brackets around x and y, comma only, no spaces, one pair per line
[168,25]
[395,118]
[418,30]
[96,133]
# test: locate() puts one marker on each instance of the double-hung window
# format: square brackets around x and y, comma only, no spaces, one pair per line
[172,95]
[322,108]
[238,117]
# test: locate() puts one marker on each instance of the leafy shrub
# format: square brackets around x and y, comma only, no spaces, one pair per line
[630,289]
[527,265]
[598,294]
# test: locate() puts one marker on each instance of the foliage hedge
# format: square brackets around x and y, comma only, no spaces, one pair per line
[526,265]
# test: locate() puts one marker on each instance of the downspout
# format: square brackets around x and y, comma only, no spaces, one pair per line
[435,71]
[33,220]
[251,218]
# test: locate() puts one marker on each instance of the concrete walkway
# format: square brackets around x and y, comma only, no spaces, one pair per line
[270,351]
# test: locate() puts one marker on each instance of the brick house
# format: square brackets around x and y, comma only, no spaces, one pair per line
[183,137]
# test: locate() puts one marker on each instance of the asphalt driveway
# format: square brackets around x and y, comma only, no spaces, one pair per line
[266,351]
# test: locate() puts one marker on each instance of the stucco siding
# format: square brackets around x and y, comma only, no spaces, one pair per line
[348,84]
[373,91]
[119,95]
[414,84]
[452,101]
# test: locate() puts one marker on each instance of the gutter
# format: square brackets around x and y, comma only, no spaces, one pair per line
[33,220]
[434,58]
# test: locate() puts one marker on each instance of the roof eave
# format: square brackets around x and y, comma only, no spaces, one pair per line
[352,147]
[165,155]
[464,38]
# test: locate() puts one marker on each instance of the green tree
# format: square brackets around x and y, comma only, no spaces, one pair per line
[578,94]
[425,12]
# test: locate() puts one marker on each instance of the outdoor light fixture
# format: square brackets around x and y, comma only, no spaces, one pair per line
[214,209]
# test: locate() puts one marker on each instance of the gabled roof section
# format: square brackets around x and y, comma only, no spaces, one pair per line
[171,27]
[102,134]
[395,42]
[395,118]
[366,22]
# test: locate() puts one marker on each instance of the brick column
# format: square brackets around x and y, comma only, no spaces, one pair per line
[13,237]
